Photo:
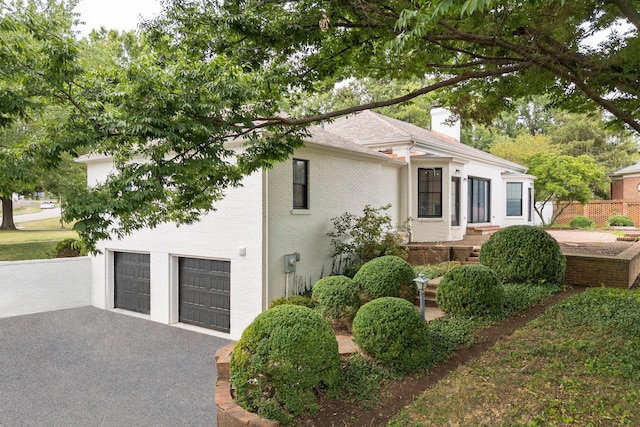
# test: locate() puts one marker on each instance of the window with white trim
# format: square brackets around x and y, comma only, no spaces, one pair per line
[300,184]
[430,193]
[514,199]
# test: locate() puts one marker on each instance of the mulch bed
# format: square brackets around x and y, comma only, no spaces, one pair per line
[398,394]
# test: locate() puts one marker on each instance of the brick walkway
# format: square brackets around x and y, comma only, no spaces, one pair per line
[562,236]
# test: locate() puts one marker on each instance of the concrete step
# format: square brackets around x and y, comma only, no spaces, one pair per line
[482,230]
[474,256]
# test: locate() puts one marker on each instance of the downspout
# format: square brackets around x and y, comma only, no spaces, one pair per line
[410,190]
[265,233]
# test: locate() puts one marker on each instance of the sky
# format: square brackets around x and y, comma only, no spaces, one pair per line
[115,14]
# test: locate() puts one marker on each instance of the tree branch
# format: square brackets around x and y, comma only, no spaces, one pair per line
[629,11]
[278,120]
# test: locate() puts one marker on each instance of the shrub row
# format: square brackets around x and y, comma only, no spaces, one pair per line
[289,352]
[581,221]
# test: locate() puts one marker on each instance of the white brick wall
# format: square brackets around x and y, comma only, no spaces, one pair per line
[336,185]
[440,229]
[219,235]
[41,285]
[259,217]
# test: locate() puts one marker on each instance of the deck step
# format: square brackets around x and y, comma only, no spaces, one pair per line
[474,256]
[482,230]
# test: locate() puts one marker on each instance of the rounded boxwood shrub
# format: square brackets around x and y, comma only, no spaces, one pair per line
[470,290]
[620,221]
[294,300]
[283,357]
[338,299]
[387,276]
[392,331]
[523,253]
[581,222]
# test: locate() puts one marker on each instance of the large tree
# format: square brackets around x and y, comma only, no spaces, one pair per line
[218,73]
[19,170]
[487,52]
[37,53]
[564,179]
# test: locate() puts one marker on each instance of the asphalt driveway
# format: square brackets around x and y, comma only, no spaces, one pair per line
[91,367]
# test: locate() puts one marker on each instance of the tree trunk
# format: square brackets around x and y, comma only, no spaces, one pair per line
[7,214]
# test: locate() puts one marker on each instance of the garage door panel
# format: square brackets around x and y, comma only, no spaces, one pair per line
[132,282]
[205,293]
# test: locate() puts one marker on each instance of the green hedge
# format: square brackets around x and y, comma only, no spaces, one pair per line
[471,290]
[338,299]
[283,357]
[522,253]
[581,222]
[392,331]
[387,276]
[620,221]
[69,248]
[294,300]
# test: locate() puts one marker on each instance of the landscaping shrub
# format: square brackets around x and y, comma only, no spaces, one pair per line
[448,333]
[471,290]
[338,299]
[522,253]
[520,296]
[387,276]
[620,221]
[392,331]
[294,300]
[435,270]
[581,222]
[356,240]
[361,380]
[283,357]
[69,248]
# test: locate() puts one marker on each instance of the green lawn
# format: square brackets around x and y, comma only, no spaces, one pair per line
[25,251]
[35,240]
[577,365]
[25,210]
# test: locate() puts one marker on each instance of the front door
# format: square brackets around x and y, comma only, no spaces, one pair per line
[479,200]
[455,201]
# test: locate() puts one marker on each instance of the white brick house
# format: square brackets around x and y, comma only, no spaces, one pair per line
[223,271]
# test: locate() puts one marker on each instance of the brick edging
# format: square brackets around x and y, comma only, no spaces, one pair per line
[229,414]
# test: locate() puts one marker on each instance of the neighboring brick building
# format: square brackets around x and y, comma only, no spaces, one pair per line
[625,183]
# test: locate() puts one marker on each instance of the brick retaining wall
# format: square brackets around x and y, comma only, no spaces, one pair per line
[618,271]
[600,211]
[425,253]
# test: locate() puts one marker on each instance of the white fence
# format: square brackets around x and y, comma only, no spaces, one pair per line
[547,213]
[36,286]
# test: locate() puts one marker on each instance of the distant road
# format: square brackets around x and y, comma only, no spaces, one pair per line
[43,214]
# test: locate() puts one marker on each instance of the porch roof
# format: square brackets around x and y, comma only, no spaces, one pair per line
[369,128]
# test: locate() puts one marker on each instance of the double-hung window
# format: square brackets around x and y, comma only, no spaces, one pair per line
[514,199]
[300,184]
[430,193]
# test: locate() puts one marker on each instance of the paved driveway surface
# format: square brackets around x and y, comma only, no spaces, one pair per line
[91,367]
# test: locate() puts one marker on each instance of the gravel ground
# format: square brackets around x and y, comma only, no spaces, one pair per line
[91,367]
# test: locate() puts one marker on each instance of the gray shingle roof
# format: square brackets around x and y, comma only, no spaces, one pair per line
[626,171]
[367,127]
[324,138]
